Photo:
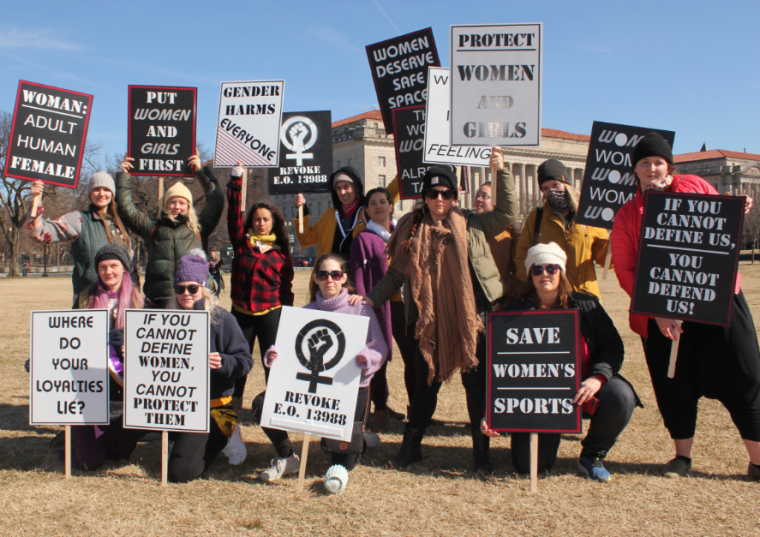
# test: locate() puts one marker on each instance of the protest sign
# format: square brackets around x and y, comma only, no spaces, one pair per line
[688,256]
[166,371]
[533,371]
[409,138]
[609,180]
[69,368]
[399,68]
[162,130]
[496,84]
[314,381]
[305,154]
[438,148]
[48,133]
[248,127]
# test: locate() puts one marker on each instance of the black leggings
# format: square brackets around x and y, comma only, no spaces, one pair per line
[193,453]
[264,327]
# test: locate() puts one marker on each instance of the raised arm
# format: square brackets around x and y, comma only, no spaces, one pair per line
[132,217]
[214,206]
[235,214]
[311,234]
[505,211]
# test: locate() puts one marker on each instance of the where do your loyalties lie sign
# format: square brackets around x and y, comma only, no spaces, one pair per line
[496,84]
[533,371]
[688,256]
[162,130]
[48,134]
[314,382]
[69,368]
[609,181]
[305,153]
[166,370]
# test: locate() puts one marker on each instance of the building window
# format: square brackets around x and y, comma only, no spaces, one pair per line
[374,125]
[381,180]
[340,164]
[381,162]
[349,161]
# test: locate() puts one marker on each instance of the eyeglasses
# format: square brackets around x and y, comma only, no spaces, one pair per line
[483,197]
[537,270]
[180,289]
[323,274]
[433,193]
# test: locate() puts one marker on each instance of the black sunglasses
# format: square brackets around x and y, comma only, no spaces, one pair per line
[180,289]
[433,193]
[537,270]
[323,274]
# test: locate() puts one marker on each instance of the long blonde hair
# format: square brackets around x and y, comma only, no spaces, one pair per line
[192,219]
[210,304]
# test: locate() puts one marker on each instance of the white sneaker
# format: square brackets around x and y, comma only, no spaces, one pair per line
[235,449]
[280,467]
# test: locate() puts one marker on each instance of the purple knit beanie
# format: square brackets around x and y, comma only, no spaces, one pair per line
[192,268]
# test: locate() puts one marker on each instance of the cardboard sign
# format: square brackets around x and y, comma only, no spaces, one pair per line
[313,384]
[399,68]
[306,157]
[438,148]
[47,134]
[162,130]
[688,257]
[69,368]
[609,181]
[166,372]
[533,371]
[496,84]
[410,143]
[248,128]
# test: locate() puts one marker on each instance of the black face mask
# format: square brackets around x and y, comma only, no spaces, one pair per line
[557,200]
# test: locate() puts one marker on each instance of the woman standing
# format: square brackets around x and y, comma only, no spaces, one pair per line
[718,362]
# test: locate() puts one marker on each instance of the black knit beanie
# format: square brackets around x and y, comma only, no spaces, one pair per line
[116,252]
[652,145]
[440,176]
[552,169]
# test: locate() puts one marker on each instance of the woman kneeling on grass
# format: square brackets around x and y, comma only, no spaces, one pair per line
[229,359]
[601,359]
[330,290]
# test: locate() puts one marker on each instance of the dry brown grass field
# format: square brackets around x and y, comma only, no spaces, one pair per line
[439,496]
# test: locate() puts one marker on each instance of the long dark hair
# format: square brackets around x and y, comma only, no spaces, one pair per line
[343,262]
[113,211]
[278,224]
[527,291]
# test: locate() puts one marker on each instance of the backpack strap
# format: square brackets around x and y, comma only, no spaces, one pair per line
[537,225]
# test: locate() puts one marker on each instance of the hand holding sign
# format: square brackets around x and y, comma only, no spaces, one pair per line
[127,165]
[195,161]
[496,161]
[215,360]
[669,327]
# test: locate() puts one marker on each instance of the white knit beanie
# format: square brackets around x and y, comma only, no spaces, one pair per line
[178,190]
[546,254]
[101,179]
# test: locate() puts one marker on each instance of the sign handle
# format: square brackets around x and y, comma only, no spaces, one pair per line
[160,194]
[304,457]
[35,204]
[674,353]
[533,463]
[607,260]
[67,453]
[244,190]
[164,458]
[300,219]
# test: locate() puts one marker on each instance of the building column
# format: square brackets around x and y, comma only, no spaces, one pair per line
[517,173]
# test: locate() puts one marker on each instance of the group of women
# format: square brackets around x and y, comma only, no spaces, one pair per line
[427,282]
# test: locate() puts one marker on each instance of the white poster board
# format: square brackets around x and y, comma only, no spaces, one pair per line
[166,372]
[438,148]
[496,84]
[69,368]
[314,382]
[248,127]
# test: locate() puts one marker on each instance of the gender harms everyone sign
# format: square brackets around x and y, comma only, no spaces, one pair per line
[47,134]
[609,180]
[69,368]
[399,68]
[313,384]
[248,127]
[166,371]
[305,153]
[533,371]
[496,84]
[438,148]
[162,130]
[688,257]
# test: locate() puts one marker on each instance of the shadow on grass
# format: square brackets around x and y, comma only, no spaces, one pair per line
[16,418]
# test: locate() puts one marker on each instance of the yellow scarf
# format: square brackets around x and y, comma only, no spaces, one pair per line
[261,240]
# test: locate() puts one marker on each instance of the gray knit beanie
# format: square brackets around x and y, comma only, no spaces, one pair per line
[192,268]
[101,179]
[113,251]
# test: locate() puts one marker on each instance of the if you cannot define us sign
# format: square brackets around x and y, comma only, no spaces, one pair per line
[609,180]
[48,133]
[69,368]
[248,126]
[166,371]
[688,257]
[314,382]
[496,84]
[533,371]
[162,130]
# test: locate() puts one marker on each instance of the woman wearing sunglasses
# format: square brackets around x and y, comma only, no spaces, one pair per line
[229,359]
[329,291]
[606,397]
[442,259]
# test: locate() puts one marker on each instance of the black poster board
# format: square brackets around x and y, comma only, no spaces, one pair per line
[409,137]
[688,256]
[533,371]
[399,68]
[306,158]
[608,180]
[48,134]
[162,130]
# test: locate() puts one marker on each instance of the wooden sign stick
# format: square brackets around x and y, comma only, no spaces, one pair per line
[674,353]
[607,260]
[35,204]
[164,458]
[244,190]
[533,463]
[300,219]
[67,453]
[160,194]
[304,458]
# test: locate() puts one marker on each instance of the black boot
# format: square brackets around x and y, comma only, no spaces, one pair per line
[481,452]
[411,450]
